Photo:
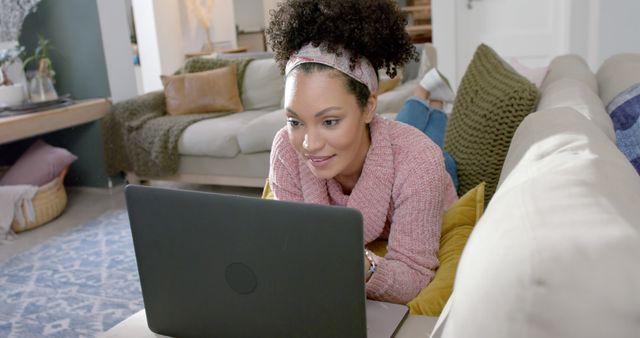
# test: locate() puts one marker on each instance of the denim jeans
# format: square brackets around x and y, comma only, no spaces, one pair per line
[433,122]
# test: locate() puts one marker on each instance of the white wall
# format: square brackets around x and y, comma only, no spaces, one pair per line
[594,29]
[249,15]
[117,49]
[159,40]
[618,28]
[223,29]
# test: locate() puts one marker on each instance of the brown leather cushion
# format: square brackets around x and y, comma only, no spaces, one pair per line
[203,92]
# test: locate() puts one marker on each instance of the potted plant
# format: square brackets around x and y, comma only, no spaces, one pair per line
[41,85]
[10,93]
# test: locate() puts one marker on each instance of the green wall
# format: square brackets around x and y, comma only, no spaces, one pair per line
[73,28]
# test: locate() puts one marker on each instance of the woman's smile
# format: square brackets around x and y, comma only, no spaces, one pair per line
[319,161]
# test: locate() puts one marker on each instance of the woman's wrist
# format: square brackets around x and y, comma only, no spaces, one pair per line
[370,264]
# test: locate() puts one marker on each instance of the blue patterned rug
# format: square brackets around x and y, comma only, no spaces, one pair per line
[78,284]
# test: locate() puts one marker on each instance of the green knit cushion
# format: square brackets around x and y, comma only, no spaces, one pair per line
[491,102]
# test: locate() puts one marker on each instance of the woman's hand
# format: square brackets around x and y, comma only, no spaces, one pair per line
[367,266]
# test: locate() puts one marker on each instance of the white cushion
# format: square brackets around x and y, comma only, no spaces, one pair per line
[217,136]
[616,74]
[577,95]
[258,134]
[557,252]
[393,100]
[570,67]
[263,85]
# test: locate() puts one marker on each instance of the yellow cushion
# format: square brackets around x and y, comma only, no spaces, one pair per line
[458,222]
[457,225]
[266,192]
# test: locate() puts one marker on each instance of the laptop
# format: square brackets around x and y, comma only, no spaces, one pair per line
[214,265]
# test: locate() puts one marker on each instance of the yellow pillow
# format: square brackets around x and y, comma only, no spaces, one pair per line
[203,92]
[266,192]
[458,222]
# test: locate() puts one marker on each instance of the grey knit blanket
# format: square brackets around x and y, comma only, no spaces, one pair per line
[139,136]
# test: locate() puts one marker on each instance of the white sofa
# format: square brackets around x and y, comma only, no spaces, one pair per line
[234,149]
[557,251]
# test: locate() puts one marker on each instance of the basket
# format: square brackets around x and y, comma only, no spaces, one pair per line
[48,203]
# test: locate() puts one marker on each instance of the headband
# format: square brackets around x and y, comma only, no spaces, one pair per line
[363,71]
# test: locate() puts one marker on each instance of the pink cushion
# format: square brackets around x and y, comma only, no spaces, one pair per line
[40,164]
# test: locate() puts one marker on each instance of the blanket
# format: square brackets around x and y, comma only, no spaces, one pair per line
[15,203]
[624,110]
[139,136]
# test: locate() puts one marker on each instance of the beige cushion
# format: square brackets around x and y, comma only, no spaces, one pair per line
[203,92]
[577,95]
[570,67]
[556,253]
[393,100]
[215,137]
[258,134]
[263,85]
[616,74]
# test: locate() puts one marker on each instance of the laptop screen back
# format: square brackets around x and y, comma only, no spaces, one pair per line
[221,265]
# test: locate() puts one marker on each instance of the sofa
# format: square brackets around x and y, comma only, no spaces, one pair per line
[557,251]
[234,149]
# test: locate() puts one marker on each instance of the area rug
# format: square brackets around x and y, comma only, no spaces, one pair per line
[78,284]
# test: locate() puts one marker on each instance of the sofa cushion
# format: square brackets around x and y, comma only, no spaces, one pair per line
[203,92]
[258,134]
[491,102]
[263,85]
[217,136]
[576,94]
[616,74]
[457,223]
[570,67]
[556,252]
[392,101]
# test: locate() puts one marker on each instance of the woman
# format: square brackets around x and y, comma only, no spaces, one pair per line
[336,151]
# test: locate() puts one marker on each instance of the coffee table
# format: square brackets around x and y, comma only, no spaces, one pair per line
[136,327]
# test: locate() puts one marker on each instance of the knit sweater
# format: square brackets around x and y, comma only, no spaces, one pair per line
[402,193]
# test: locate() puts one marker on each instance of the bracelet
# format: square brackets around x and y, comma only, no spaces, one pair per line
[373,266]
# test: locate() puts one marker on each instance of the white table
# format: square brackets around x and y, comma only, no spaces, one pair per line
[136,327]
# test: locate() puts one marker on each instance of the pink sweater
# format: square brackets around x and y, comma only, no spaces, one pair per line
[402,193]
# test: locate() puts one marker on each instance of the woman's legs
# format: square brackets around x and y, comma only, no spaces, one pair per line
[430,120]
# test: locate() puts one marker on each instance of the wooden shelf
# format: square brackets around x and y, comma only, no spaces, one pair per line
[413,9]
[419,29]
[22,126]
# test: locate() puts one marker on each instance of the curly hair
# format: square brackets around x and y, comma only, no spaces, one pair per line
[374,29]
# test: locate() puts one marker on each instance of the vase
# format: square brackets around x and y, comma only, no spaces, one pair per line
[11,95]
[41,88]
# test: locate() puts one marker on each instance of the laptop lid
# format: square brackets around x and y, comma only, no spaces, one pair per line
[221,265]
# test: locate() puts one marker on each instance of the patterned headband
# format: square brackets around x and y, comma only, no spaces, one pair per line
[363,71]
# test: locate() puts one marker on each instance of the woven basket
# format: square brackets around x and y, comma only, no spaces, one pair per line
[48,203]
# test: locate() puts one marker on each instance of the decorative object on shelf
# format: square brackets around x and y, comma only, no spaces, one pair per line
[10,93]
[203,15]
[41,85]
